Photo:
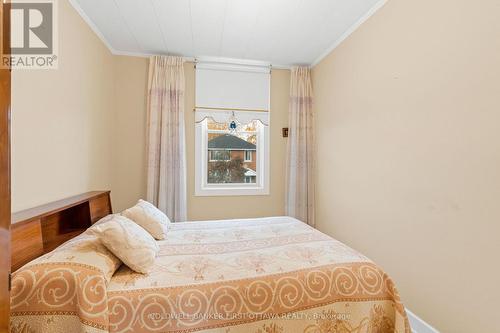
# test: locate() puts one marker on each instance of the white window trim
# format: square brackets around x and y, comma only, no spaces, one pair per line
[202,188]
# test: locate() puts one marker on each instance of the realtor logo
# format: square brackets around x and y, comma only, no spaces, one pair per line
[33,35]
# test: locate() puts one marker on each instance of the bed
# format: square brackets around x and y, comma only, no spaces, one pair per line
[265,275]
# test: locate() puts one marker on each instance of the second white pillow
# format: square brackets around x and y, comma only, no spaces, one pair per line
[149,217]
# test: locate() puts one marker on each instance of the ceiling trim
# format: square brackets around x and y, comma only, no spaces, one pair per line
[219,60]
[145,55]
[349,31]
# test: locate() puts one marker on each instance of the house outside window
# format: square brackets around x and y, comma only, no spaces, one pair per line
[231,163]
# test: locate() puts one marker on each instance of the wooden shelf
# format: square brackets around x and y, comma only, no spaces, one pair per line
[60,239]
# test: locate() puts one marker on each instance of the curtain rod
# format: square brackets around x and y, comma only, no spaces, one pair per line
[228,109]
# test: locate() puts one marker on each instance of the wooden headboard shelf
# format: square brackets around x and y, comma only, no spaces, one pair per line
[41,229]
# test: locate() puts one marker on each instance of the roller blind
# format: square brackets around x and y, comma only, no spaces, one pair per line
[222,86]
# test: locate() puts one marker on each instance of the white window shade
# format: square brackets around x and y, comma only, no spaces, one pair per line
[222,86]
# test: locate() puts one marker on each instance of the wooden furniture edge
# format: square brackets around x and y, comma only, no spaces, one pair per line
[5,171]
[37,212]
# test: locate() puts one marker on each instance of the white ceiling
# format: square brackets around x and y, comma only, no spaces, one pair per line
[281,32]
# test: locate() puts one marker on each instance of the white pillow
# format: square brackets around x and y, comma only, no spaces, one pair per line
[150,218]
[133,245]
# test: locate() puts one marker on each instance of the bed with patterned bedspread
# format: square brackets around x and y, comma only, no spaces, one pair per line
[266,275]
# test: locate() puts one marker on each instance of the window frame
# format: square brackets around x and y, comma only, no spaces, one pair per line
[203,188]
[245,155]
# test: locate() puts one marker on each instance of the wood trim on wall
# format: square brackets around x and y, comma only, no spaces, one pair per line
[5,88]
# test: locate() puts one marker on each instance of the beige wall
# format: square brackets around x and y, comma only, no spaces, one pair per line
[129,132]
[129,183]
[408,132]
[61,119]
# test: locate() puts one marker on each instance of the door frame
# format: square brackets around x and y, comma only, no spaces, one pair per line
[5,192]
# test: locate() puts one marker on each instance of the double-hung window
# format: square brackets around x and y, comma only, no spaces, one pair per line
[232,130]
[217,155]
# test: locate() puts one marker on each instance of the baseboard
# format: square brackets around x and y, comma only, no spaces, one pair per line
[418,325]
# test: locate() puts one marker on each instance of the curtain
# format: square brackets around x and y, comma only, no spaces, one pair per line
[166,169]
[300,148]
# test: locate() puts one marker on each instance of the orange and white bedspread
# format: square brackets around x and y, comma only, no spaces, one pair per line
[268,275]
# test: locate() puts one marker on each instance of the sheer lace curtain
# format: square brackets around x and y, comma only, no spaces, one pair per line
[300,149]
[166,169]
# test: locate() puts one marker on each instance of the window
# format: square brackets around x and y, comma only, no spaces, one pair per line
[231,162]
[228,152]
[219,155]
[232,125]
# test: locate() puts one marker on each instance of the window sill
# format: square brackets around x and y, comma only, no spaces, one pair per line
[233,191]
